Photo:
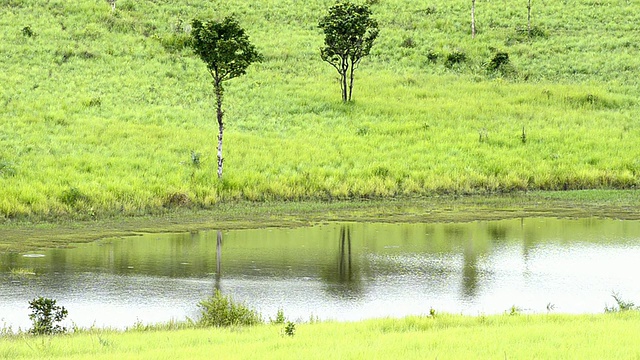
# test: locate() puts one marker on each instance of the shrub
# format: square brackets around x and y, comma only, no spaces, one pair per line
[432,56]
[27,31]
[177,199]
[44,315]
[222,311]
[623,305]
[290,328]
[280,318]
[71,196]
[456,57]
[500,59]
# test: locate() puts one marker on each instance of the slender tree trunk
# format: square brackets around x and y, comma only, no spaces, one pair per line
[343,78]
[529,19]
[219,113]
[351,80]
[473,19]
[113,4]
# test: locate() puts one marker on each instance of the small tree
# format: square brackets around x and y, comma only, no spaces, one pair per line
[44,314]
[349,34]
[225,48]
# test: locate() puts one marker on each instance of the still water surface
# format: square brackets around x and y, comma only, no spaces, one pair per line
[343,271]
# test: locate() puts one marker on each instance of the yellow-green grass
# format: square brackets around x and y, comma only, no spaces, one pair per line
[605,336]
[101,111]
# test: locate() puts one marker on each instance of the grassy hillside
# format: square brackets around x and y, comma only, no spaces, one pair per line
[102,112]
[605,336]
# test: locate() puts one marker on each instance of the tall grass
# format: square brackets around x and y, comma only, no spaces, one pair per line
[609,336]
[101,110]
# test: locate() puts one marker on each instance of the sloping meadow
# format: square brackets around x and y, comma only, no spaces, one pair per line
[109,112]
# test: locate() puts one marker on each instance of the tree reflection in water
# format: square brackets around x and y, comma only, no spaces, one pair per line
[346,283]
[218,261]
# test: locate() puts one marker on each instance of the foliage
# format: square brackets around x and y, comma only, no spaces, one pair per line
[622,305]
[27,31]
[349,34]
[71,196]
[221,311]
[499,60]
[454,58]
[224,47]
[45,316]
[280,318]
[290,328]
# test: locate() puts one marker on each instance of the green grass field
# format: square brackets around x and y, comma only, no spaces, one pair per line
[100,112]
[605,336]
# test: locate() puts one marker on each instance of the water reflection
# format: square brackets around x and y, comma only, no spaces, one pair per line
[340,270]
[343,280]
[218,260]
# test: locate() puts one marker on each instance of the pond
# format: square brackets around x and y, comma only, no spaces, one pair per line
[341,271]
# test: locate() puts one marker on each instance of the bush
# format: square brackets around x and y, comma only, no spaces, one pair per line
[499,60]
[222,311]
[432,56]
[27,31]
[456,57]
[44,314]
[290,329]
[622,305]
[280,318]
[72,196]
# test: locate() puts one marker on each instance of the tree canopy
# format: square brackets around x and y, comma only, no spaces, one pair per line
[224,47]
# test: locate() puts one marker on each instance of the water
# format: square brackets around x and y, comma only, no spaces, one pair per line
[342,271]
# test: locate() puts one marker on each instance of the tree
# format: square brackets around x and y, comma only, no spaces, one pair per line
[227,52]
[349,34]
[473,19]
[44,314]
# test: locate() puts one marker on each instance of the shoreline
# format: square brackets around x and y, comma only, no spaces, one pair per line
[36,233]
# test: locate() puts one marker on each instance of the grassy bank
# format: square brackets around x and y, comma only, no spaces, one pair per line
[103,113]
[23,236]
[606,336]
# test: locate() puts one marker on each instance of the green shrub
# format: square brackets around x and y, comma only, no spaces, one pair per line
[623,305]
[432,56]
[222,311]
[500,59]
[71,196]
[456,57]
[27,31]
[280,318]
[44,315]
[290,328]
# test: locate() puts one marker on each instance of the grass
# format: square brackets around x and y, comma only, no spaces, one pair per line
[611,336]
[103,110]
[21,272]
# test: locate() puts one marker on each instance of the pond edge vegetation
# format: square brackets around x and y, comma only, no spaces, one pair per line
[486,336]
